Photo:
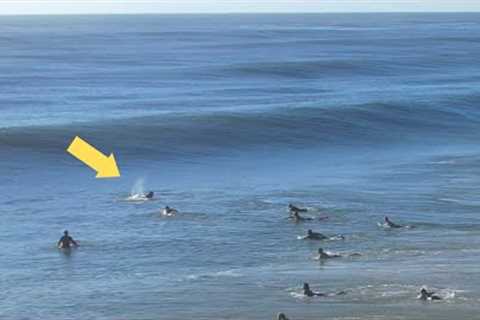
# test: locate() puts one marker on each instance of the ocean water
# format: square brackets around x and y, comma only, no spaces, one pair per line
[229,118]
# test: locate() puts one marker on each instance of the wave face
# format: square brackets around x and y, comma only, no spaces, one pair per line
[208,85]
[180,135]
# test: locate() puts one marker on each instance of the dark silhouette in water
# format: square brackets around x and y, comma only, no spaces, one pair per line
[319,236]
[391,224]
[298,218]
[323,255]
[314,235]
[66,241]
[425,295]
[149,195]
[309,293]
[167,211]
[294,209]
[282,316]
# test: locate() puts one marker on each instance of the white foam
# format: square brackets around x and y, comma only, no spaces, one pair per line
[231,273]
[138,187]
[137,198]
[137,194]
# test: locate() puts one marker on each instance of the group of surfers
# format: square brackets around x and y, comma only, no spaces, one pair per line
[67,242]
[295,215]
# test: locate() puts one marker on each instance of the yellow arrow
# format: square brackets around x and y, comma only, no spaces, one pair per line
[106,167]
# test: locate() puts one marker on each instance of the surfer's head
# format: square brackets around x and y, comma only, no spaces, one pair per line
[65,232]
[282,316]
[320,250]
[150,195]
[309,232]
[423,293]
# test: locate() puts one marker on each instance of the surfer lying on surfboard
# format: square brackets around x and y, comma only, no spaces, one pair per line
[428,296]
[149,195]
[309,293]
[296,217]
[167,211]
[391,225]
[319,236]
[293,209]
[322,254]
[314,236]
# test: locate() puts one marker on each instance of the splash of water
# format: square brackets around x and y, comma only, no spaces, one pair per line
[138,187]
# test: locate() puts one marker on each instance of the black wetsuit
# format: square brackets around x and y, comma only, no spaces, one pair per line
[310,293]
[391,224]
[65,242]
[315,236]
[429,296]
[296,209]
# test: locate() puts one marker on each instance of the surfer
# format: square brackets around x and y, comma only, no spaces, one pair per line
[167,211]
[314,235]
[298,218]
[142,196]
[309,293]
[324,255]
[425,295]
[282,316]
[149,195]
[66,241]
[319,236]
[390,224]
[294,209]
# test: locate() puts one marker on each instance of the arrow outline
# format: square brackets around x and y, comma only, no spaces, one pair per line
[105,166]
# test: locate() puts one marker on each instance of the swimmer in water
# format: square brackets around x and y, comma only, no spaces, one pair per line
[428,296]
[309,293]
[391,224]
[282,316]
[294,209]
[149,195]
[314,235]
[298,218]
[167,211]
[66,241]
[318,236]
[323,255]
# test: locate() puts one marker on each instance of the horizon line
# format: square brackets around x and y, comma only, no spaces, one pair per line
[235,13]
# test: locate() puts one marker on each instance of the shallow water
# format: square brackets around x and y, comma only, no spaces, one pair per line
[229,119]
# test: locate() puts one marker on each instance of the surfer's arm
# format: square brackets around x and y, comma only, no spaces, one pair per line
[75,243]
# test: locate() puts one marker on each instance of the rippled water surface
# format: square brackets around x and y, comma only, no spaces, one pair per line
[229,119]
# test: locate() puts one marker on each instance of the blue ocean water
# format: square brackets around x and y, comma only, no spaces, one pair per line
[229,118]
